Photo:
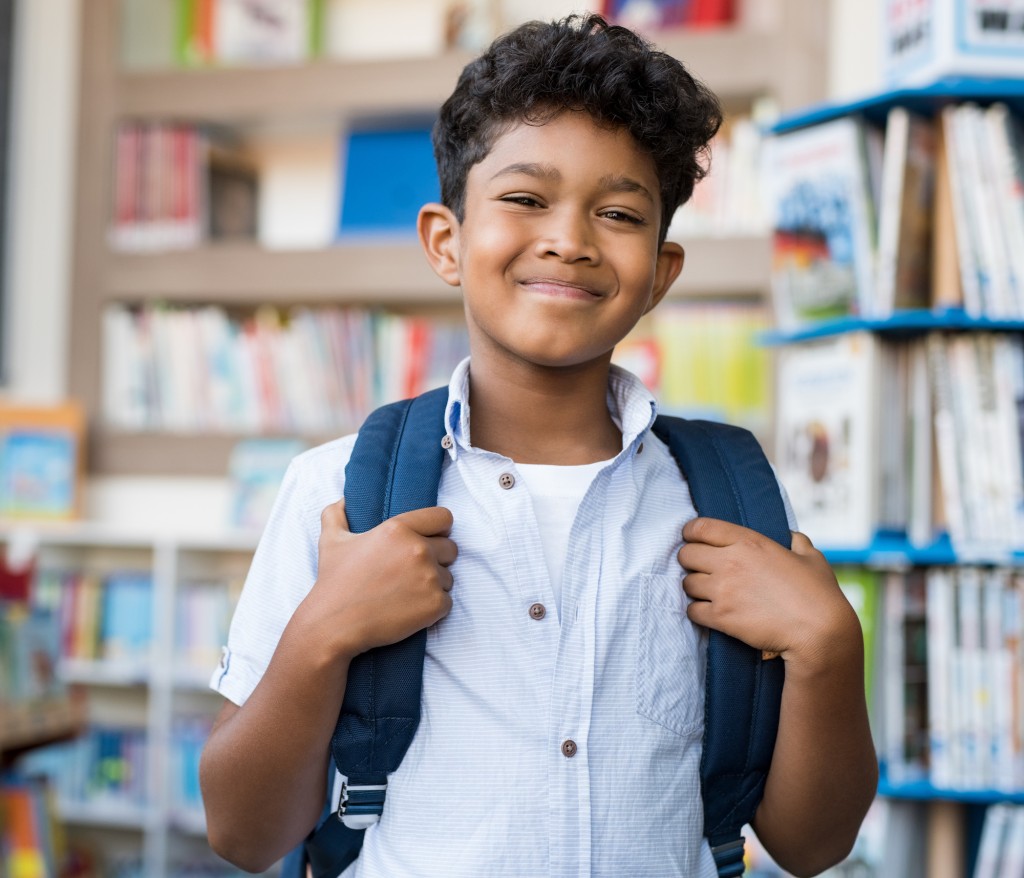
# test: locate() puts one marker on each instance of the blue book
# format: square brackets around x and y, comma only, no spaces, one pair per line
[387,176]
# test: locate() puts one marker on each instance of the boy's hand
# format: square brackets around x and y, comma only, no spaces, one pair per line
[381,586]
[773,599]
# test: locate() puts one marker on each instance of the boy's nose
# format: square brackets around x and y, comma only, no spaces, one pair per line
[569,238]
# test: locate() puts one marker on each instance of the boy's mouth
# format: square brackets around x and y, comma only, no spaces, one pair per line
[549,286]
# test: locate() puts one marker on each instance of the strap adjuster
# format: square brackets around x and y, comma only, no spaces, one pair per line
[729,858]
[360,805]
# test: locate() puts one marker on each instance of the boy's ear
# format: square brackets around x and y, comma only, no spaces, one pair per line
[669,264]
[439,236]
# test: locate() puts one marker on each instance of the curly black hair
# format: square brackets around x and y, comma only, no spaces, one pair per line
[581,63]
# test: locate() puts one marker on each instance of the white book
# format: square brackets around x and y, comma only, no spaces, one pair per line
[893,730]
[989,862]
[940,615]
[1012,865]
[998,294]
[946,440]
[921,518]
[1008,372]
[124,390]
[826,439]
[971,694]
[261,31]
[1013,640]
[999,680]
[1005,141]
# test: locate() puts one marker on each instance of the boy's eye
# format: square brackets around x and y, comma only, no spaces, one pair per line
[622,216]
[525,200]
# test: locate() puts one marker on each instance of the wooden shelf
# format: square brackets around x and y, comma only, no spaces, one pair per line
[385,272]
[737,63]
[375,271]
[23,726]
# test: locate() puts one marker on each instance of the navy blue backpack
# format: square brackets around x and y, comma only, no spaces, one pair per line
[396,467]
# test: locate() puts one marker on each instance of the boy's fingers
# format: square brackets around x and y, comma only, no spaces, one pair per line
[712,531]
[447,580]
[698,557]
[445,550]
[433,521]
[697,586]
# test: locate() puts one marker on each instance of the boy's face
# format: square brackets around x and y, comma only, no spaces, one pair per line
[558,253]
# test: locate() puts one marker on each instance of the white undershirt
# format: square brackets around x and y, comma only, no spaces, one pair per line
[556,492]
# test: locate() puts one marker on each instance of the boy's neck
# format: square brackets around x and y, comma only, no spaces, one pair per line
[547,416]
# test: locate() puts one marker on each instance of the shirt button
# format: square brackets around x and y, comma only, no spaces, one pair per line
[447,441]
[640,448]
[538,612]
[506,480]
[568,748]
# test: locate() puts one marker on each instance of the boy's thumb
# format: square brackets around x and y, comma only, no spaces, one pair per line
[334,517]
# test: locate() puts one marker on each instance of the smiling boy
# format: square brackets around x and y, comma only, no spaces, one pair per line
[563,694]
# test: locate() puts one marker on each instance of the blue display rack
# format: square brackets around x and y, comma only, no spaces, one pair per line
[893,549]
[922,790]
[926,100]
[900,323]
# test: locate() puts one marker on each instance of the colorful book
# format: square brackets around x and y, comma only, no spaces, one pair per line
[819,186]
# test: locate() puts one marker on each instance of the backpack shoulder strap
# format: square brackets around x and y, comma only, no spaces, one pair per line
[730,479]
[395,467]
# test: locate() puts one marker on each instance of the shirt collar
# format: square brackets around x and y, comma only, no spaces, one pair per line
[631,405]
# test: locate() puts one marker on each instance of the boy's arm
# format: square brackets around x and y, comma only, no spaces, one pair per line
[824,772]
[264,768]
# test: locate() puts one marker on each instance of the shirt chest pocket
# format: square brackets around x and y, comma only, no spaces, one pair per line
[670,658]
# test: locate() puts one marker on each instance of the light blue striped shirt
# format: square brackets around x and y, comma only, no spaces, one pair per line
[551,744]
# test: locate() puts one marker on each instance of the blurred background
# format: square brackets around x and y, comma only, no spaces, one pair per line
[208,263]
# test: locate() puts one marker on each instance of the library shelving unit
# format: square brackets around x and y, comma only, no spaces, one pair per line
[785,61]
[955,815]
[152,697]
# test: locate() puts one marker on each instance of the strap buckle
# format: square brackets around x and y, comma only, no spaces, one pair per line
[729,858]
[360,805]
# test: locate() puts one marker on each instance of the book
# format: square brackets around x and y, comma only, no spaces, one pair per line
[819,184]
[927,40]
[256,468]
[905,213]
[946,275]
[863,589]
[387,176]
[42,455]
[826,446]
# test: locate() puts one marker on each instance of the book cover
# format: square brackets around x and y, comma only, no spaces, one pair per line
[823,219]
[41,461]
[863,588]
[826,437]
[256,468]
[387,176]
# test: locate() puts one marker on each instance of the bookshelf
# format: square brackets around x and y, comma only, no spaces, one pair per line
[741,63]
[955,808]
[157,825]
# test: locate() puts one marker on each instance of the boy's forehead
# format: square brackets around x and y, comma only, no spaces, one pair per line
[553,147]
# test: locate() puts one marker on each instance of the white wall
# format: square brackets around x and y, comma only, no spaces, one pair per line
[42,138]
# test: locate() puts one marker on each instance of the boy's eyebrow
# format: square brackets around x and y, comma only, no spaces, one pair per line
[621,183]
[610,182]
[531,169]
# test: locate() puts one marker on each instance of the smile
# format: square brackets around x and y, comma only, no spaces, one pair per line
[559,289]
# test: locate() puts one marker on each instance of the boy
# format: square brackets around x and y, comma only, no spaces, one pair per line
[562,686]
